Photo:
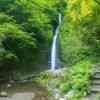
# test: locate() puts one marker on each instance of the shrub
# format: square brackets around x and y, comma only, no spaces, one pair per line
[77,78]
[80,78]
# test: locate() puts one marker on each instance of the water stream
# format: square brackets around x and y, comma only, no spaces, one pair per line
[54,53]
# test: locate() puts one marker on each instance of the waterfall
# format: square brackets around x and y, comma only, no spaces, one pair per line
[54,54]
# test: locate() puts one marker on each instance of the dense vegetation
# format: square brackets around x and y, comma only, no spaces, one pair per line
[80,31]
[27,28]
[72,83]
[80,46]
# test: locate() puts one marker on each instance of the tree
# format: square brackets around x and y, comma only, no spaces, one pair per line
[80,31]
[26,27]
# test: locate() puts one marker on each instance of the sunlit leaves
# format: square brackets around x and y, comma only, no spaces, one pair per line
[78,9]
[86,8]
[80,31]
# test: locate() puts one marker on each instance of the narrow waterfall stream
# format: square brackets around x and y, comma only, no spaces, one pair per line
[54,46]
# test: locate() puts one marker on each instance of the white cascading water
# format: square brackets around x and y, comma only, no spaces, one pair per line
[54,47]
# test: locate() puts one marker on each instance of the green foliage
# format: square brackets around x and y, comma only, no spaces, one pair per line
[81,75]
[5,18]
[15,45]
[80,31]
[65,87]
[80,79]
[26,26]
[76,79]
[73,49]
[5,5]
[37,17]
